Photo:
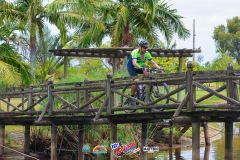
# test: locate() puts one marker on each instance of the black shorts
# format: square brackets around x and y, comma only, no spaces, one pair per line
[134,71]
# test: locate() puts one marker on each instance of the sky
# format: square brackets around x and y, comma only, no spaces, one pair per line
[207,14]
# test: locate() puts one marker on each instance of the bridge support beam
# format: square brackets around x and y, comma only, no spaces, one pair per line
[228,140]
[206,133]
[53,142]
[2,133]
[113,139]
[80,141]
[196,141]
[27,139]
[143,155]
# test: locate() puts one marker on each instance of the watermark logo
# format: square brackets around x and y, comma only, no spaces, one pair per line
[114,145]
[153,149]
[122,149]
[86,149]
[99,150]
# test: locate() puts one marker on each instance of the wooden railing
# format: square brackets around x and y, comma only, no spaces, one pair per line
[103,97]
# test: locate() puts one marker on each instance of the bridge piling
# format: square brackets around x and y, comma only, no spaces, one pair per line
[2,133]
[27,139]
[144,134]
[80,141]
[53,142]
[113,139]
[229,124]
[196,141]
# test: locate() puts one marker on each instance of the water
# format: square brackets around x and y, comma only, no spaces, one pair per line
[216,151]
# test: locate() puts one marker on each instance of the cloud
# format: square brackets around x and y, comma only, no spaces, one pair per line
[208,14]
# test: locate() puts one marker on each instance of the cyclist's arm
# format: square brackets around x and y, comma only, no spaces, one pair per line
[134,62]
[154,64]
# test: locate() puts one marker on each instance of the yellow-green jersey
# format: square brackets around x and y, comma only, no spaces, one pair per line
[136,55]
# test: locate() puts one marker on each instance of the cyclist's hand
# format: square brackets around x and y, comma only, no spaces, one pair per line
[161,70]
[143,68]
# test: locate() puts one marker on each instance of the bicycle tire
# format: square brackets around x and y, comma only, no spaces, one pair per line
[127,102]
[157,92]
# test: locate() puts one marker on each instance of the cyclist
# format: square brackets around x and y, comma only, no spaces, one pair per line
[136,63]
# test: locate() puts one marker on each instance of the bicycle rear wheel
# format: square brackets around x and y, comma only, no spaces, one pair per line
[126,102]
[157,92]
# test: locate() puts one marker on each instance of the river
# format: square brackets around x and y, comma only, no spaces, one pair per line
[215,151]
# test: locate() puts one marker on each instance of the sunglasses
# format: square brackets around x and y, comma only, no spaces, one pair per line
[145,47]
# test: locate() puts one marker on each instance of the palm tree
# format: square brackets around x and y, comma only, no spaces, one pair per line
[31,14]
[125,21]
[14,70]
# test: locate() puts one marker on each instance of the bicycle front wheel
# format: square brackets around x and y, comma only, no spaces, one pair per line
[157,92]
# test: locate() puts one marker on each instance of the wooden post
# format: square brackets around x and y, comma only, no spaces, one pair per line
[27,139]
[147,96]
[53,142]
[143,155]
[8,106]
[180,69]
[178,153]
[80,141]
[229,124]
[65,66]
[114,66]
[50,98]
[189,86]
[206,152]
[86,97]
[22,99]
[206,134]
[179,95]
[113,139]
[2,136]
[171,136]
[77,96]
[228,140]
[109,94]
[30,99]
[196,141]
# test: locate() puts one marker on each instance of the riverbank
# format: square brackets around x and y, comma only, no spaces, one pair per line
[186,141]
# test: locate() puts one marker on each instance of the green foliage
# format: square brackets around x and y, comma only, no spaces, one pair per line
[14,72]
[228,37]
[220,63]
[170,65]
[125,22]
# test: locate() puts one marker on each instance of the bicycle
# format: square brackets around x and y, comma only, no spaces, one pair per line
[156,91]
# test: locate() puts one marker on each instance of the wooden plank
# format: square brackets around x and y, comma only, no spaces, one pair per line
[216,93]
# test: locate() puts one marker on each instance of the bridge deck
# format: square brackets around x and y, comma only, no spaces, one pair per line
[100,102]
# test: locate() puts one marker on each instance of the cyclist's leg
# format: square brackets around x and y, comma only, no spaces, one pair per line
[133,72]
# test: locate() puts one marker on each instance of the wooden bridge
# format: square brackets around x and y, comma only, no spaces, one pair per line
[98,102]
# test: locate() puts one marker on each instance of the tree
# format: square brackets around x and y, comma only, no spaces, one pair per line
[14,71]
[126,21]
[228,37]
[31,14]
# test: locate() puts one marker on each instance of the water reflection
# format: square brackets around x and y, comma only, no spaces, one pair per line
[216,151]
